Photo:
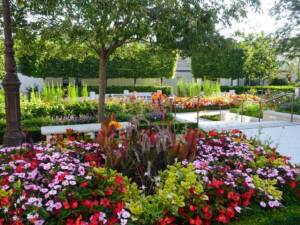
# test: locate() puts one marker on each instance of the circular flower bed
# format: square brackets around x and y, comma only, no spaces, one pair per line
[68,183]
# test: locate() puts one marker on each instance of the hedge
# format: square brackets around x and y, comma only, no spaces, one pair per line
[134,60]
[120,89]
[243,89]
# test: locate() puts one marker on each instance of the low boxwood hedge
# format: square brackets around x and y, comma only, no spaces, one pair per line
[259,89]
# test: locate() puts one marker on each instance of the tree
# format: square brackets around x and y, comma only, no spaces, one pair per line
[260,57]
[223,59]
[288,13]
[106,25]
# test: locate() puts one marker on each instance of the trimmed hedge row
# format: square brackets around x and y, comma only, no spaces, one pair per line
[243,89]
[120,89]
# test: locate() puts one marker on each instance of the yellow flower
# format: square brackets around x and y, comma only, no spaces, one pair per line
[115,124]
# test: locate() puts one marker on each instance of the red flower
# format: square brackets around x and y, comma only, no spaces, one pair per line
[216,183]
[192,190]
[20,169]
[207,212]
[61,176]
[18,222]
[220,191]
[70,222]
[234,196]
[119,180]
[230,213]
[78,220]
[88,203]
[213,133]
[84,184]
[105,202]
[112,221]
[206,209]
[66,204]
[74,204]
[4,181]
[246,203]
[193,208]
[293,184]
[109,190]
[4,201]
[89,157]
[182,212]
[1,221]
[235,131]
[196,221]
[33,164]
[119,206]
[166,220]
[221,218]
[122,189]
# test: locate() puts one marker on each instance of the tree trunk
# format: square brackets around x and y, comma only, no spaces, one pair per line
[102,84]
[134,81]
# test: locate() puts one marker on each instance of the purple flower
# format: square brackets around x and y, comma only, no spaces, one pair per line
[263,204]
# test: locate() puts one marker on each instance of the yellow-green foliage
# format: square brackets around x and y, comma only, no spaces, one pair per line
[4,193]
[172,193]
[259,162]
[278,162]
[267,186]
[176,182]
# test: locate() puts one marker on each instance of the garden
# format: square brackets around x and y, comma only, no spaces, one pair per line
[155,171]
[147,113]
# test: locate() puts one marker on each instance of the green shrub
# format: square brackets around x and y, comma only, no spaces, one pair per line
[261,89]
[188,89]
[249,109]
[180,88]
[84,92]
[279,82]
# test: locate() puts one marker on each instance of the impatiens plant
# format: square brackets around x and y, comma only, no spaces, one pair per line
[45,184]
[198,178]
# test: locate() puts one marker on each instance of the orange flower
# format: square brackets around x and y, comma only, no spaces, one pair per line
[115,124]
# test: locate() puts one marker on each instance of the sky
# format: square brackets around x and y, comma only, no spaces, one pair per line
[255,22]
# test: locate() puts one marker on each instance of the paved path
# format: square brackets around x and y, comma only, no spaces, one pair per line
[270,115]
[281,134]
[285,138]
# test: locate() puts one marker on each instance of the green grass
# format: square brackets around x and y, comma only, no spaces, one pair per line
[286,216]
[216,117]
[250,109]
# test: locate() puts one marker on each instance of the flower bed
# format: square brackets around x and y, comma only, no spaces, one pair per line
[226,101]
[219,175]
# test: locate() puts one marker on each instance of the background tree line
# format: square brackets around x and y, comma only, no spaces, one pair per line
[253,58]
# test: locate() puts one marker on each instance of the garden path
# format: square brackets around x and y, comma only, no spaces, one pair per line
[281,134]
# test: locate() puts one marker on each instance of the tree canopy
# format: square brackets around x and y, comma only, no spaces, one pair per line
[287,12]
[223,59]
[260,57]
